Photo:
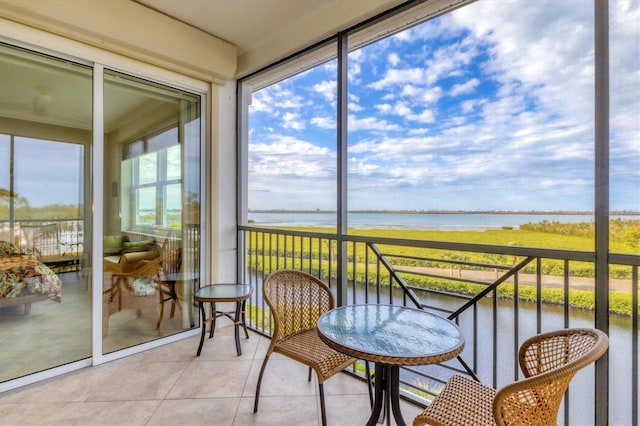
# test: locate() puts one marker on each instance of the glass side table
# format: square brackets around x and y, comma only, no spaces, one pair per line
[214,293]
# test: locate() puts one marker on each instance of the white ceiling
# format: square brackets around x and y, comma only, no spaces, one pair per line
[263,31]
[267,30]
[243,23]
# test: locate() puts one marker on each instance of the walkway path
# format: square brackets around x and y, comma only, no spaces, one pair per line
[549,281]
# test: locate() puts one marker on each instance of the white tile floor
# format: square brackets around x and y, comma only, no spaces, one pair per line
[170,385]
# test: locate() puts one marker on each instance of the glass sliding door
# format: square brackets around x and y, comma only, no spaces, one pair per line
[45,140]
[151,210]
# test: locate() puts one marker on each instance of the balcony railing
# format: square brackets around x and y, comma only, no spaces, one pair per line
[59,243]
[498,295]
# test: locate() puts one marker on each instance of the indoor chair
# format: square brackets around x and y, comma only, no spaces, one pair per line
[548,361]
[170,266]
[296,300]
[136,289]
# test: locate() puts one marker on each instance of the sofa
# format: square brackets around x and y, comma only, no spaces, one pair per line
[122,255]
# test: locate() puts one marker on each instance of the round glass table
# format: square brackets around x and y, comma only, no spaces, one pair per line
[214,293]
[390,336]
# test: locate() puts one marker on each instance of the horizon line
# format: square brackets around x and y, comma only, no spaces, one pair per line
[433,211]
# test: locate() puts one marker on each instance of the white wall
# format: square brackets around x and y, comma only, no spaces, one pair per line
[223,183]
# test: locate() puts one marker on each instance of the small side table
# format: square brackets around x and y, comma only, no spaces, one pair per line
[214,293]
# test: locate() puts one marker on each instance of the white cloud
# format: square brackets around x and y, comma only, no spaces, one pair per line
[464,88]
[354,107]
[394,59]
[292,173]
[292,121]
[324,122]
[489,106]
[402,109]
[354,103]
[370,123]
[431,95]
[471,105]
[395,77]
[384,108]
[327,89]
[425,116]
[274,98]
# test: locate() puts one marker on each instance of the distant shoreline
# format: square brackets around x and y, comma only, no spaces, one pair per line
[509,212]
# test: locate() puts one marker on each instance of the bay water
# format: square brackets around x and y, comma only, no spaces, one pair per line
[421,220]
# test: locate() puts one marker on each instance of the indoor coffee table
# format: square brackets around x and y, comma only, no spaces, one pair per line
[390,336]
[214,293]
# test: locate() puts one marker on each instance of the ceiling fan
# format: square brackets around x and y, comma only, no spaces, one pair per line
[42,107]
[41,103]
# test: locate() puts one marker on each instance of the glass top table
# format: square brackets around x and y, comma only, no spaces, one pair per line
[182,276]
[391,336]
[225,292]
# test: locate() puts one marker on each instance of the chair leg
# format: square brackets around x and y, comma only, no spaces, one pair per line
[161,312]
[264,364]
[322,409]
[309,378]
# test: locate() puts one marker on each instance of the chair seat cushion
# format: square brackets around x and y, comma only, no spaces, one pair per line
[461,403]
[307,348]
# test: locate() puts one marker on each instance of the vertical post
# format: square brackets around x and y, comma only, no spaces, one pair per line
[341,293]
[601,122]
[97,206]
[243,100]
[15,235]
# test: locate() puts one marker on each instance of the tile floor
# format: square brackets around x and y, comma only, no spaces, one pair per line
[170,385]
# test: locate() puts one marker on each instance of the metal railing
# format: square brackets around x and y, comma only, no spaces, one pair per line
[498,296]
[46,237]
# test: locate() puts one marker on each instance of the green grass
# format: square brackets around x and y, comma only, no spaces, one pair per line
[544,235]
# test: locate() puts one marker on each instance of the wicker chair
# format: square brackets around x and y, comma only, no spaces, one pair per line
[170,264]
[296,301]
[121,294]
[548,361]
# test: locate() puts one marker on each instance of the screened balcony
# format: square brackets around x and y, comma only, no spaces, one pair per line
[550,119]
[508,295]
[497,303]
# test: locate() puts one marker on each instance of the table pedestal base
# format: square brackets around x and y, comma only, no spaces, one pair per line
[386,395]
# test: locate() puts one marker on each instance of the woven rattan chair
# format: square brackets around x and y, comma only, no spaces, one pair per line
[548,361]
[296,301]
[121,294]
[170,265]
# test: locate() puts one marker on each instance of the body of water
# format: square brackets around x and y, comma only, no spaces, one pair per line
[411,220]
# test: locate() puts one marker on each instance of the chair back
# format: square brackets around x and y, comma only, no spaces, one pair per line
[549,361]
[42,239]
[146,269]
[171,256]
[296,301]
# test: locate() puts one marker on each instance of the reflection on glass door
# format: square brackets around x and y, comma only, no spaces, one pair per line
[45,139]
[151,210]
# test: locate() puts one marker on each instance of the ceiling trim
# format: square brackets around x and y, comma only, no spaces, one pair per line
[114,26]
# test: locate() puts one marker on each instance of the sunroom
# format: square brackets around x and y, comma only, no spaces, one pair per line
[474,159]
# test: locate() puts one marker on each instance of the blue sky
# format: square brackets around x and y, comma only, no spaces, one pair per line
[488,107]
[45,172]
